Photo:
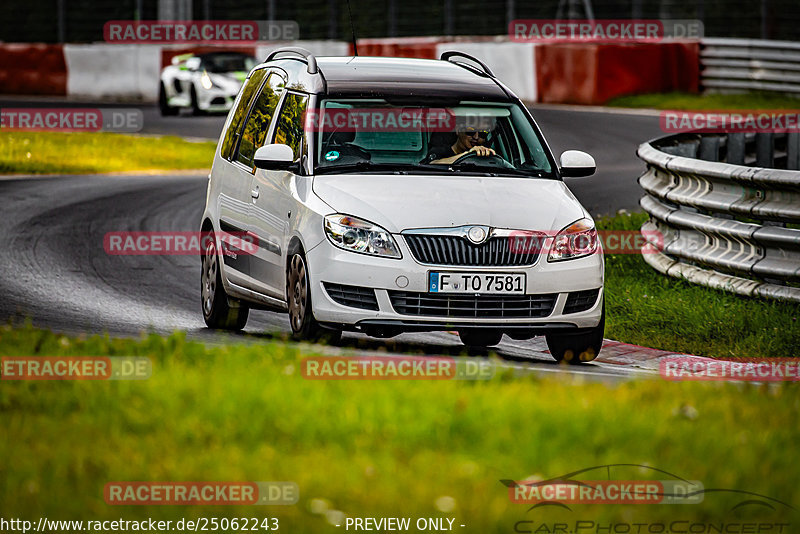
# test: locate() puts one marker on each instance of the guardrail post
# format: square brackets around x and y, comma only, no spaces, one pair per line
[764,149]
[709,148]
[793,151]
[736,148]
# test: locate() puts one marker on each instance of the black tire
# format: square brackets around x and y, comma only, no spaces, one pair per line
[480,337]
[195,106]
[579,347]
[219,310]
[166,109]
[301,315]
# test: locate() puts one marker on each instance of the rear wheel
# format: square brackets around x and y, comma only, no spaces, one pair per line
[219,310]
[166,109]
[301,316]
[580,347]
[480,338]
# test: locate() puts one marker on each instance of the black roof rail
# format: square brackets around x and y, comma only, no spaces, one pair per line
[453,53]
[302,52]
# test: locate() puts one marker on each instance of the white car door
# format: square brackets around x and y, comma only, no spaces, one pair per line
[264,219]
[273,208]
[234,197]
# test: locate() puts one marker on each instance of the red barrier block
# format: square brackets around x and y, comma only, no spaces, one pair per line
[594,73]
[418,47]
[33,69]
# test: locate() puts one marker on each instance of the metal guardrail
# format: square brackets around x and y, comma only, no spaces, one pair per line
[750,65]
[725,225]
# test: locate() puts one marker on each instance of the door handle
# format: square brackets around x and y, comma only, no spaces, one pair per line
[254,193]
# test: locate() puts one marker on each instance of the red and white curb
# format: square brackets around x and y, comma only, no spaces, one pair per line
[616,359]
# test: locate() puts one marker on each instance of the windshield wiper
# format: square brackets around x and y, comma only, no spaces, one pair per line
[405,168]
[474,167]
[371,166]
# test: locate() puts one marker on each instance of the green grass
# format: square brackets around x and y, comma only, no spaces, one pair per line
[688,101]
[374,448]
[74,153]
[647,308]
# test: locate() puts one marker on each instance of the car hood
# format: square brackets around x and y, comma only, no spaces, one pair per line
[402,202]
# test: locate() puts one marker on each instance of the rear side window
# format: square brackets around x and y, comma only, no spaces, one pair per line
[253,83]
[289,130]
[255,131]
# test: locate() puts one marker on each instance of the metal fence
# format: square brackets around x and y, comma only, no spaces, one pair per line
[83,20]
[725,224]
[750,65]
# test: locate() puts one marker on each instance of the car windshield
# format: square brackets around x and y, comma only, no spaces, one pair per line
[470,137]
[229,63]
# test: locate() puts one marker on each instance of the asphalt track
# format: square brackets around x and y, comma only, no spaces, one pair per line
[55,271]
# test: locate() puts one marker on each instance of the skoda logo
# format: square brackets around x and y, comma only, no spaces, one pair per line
[476,234]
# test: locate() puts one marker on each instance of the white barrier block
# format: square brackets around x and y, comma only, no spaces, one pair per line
[113,71]
[514,64]
[318,48]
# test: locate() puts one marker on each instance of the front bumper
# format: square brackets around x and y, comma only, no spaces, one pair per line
[215,99]
[329,264]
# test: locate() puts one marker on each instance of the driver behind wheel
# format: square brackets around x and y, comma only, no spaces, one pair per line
[472,134]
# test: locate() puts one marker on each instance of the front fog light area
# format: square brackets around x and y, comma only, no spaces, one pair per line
[358,235]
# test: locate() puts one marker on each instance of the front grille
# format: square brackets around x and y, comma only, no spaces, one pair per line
[353,296]
[457,250]
[472,306]
[579,301]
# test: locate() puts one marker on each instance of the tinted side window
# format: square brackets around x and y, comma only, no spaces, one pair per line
[241,110]
[289,130]
[255,131]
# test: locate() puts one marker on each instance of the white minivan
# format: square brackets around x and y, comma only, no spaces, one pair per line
[389,195]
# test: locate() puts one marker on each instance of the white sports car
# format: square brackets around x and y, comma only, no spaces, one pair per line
[203,83]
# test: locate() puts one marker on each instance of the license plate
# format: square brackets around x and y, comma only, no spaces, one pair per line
[486,283]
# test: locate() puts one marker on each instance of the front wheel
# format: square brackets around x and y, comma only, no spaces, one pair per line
[578,348]
[164,107]
[219,311]
[195,104]
[301,317]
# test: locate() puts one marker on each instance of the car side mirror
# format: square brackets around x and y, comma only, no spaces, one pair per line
[276,156]
[575,164]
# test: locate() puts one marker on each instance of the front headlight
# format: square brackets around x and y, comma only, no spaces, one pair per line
[577,240]
[207,81]
[358,235]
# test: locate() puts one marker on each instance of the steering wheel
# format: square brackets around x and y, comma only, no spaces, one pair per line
[497,161]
